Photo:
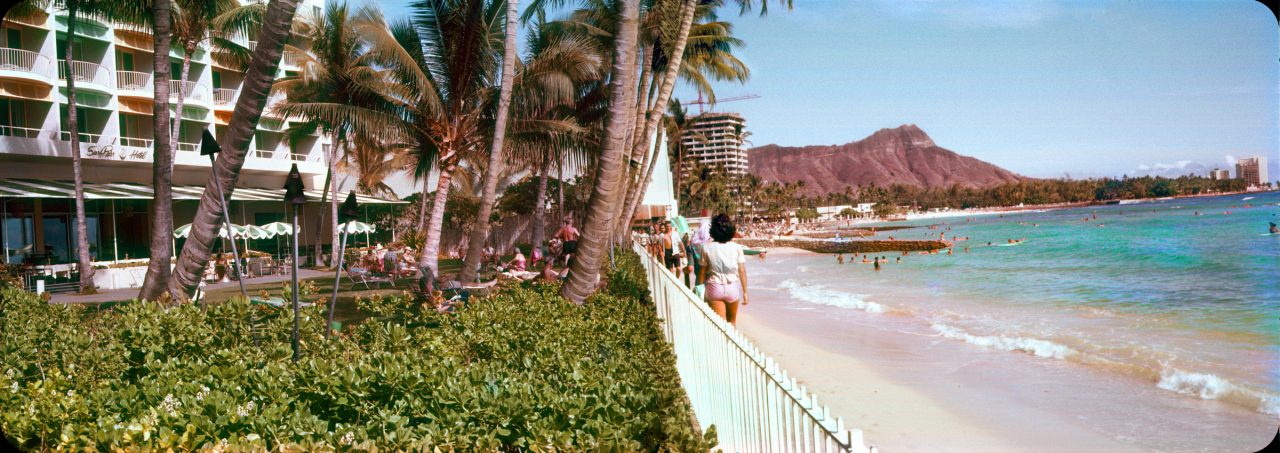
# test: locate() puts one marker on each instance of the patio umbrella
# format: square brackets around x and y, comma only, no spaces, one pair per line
[256,232]
[278,228]
[185,230]
[355,226]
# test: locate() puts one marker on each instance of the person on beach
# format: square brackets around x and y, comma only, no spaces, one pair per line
[391,260]
[724,270]
[840,259]
[671,248]
[569,235]
[517,262]
[549,273]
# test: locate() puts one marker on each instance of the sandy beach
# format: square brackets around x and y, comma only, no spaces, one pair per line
[911,391]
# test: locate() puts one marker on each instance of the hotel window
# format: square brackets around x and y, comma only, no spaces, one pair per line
[13,113]
[13,38]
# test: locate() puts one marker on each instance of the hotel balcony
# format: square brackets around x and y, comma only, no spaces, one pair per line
[194,93]
[134,148]
[134,84]
[26,65]
[224,98]
[88,76]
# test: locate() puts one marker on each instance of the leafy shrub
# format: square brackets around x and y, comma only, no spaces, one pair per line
[520,370]
[10,275]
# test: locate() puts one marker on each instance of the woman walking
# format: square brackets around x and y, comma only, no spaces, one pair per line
[724,270]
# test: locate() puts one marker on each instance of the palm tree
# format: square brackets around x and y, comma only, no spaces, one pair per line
[331,74]
[253,97]
[608,191]
[118,10]
[156,281]
[471,263]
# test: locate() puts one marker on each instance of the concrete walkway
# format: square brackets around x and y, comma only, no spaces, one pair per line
[130,293]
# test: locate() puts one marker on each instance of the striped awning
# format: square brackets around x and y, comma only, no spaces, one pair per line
[31,188]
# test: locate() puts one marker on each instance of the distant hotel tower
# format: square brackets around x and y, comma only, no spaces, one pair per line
[1253,170]
[1218,174]
[716,139]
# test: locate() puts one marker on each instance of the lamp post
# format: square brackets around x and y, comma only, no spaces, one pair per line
[346,213]
[295,198]
[209,147]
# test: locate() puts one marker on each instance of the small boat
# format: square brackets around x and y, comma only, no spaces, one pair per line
[1246,198]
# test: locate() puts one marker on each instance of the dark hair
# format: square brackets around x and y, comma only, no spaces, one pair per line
[722,229]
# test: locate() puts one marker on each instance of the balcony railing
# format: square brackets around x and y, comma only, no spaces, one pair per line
[190,90]
[188,147]
[19,131]
[292,59]
[85,137]
[135,142]
[133,81]
[224,96]
[25,61]
[86,72]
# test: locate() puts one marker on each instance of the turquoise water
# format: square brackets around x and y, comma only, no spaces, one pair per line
[1190,303]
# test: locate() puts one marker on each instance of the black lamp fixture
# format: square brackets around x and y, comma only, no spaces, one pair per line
[293,188]
[209,145]
[294,195]
[346,213]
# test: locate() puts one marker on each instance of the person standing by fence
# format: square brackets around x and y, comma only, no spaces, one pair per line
[724,270]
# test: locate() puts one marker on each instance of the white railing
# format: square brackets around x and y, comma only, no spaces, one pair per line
[224,96]
[261,153]
[18,131]
[135,142]
[753,403]
[26,61]
[85,138]
[188,147]
[86,72]
[190,90]
[134,148]
[133,81]
[292,59]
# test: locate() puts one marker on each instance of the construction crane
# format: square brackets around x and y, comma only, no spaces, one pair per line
[702,102]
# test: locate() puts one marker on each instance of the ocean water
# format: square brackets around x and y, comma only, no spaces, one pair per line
[1178,295]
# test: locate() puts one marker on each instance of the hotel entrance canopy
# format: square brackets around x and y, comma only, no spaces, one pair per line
[32,188]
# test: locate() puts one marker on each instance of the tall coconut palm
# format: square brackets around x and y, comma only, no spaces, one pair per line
[584,271]
[471,264]
[332,73]
[244,120]
[156,281]
[440,68]
[111,10]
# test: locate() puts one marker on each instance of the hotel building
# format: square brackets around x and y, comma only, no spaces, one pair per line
[715,139]
[1253,170]
[1219,175]
[113,72]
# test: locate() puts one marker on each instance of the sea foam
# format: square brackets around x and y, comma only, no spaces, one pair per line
[1211,387]
[1034,346]
[822,295]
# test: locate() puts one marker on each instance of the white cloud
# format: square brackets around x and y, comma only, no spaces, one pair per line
[1171,169]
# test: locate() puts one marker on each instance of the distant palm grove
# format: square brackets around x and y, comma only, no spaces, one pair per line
[749,196]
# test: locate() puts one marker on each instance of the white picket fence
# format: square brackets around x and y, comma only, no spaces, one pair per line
[754,405]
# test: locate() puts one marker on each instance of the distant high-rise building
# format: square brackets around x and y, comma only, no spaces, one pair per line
[716,139]
[1219,174]
[1253,170]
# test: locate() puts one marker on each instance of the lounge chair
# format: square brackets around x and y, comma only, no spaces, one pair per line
[365,278]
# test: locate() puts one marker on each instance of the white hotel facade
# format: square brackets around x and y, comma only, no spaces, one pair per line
[113,74]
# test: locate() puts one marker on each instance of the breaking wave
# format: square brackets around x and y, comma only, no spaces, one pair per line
[822,295]
[1033,346]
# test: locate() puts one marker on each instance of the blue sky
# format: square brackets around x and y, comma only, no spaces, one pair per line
[1043,88]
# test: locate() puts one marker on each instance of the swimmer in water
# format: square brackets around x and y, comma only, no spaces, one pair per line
[840,258]
[1273,229]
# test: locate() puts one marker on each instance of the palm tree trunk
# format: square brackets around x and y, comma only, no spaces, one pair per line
[77,169]
[182,95]
[156,281]
[475,246]
[584,271]
[422,207]
[431,246]
[253,98]
[324,197]
[333,199]
[540,203]
[674,61]
[651,160]
[560,186]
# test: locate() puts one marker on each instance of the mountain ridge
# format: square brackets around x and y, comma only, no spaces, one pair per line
[901,155]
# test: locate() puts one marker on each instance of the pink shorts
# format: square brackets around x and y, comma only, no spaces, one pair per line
[728,292]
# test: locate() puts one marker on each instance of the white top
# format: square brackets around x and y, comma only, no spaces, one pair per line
[722,261]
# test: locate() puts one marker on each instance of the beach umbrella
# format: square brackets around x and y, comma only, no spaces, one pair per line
[278,228]
[356,226]
[256,232]
[185,230]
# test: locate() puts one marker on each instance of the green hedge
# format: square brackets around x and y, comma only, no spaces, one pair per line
[523,370]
